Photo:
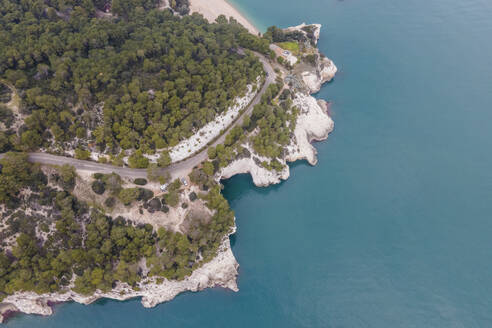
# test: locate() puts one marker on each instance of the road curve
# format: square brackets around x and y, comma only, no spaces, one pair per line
[90,166]
[184,167]
[177,170]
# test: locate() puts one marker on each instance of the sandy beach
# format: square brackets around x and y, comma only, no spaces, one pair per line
[211,9]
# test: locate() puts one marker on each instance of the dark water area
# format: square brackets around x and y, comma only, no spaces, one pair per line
[393,227]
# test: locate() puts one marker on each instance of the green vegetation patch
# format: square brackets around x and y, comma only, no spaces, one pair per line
[180,6]
[278,35]
[6,115]
[153,76]
[292,46]
[140,181]
[98,187]
[5,93]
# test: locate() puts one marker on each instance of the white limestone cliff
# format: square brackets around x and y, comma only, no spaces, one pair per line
[313,124]
[220,271]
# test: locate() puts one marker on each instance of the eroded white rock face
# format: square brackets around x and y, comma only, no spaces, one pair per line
[311,80]
[260,175]
[316,31]
[325,72]
[313,124]
[220,271]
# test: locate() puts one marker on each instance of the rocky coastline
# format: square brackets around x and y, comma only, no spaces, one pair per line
[221,271]
[313,124]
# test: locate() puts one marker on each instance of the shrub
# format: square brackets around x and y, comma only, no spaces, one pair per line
[285,94]
[44,227]
[140,181]
[82,154]
[193,196]
[311,59]
[6,115]
[127,196]
[145,194]
[67,176]
[198,177]
[5,93]
[113,182]
[172,198]
[208,168]
[98,176]
[138,160]
[175,185]
[98,187]
[212,153]
[155,204]
[164,159]
[110,202]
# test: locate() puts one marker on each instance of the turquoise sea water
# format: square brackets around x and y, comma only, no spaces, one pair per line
[393,228]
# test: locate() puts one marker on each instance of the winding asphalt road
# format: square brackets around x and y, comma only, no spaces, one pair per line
[177,170]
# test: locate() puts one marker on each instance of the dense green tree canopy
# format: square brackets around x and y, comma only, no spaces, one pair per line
[141,78]
[72,240]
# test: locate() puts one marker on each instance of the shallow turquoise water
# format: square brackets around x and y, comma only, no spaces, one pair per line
[393,227]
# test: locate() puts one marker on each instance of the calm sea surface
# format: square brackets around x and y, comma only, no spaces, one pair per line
[393,228]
